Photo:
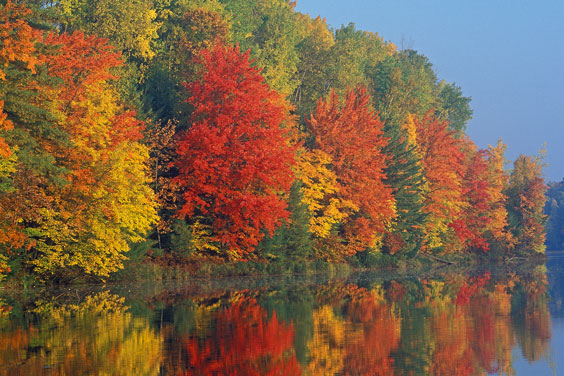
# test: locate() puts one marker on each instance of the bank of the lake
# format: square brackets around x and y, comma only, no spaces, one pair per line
[169,269]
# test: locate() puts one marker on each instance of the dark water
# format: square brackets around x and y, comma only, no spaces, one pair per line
[445,323]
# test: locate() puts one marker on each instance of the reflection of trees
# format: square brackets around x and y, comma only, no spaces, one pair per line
[379,335]
[454,325]
[243,341]
[96,336]
[327,347]
[532,318]
[361,341]
[462,326]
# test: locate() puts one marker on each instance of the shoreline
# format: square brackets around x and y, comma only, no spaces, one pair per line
[150,272]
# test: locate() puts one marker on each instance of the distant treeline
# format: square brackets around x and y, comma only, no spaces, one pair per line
[234,130]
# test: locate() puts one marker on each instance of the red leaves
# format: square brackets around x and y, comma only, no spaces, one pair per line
[472,287]
[234,161]
[476,191]
[247,342]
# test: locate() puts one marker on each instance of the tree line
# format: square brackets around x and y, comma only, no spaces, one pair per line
[237,130]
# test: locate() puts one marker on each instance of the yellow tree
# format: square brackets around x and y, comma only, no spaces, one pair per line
[498,226]
[105,203]
[320,192]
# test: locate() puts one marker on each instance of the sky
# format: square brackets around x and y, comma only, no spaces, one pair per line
[508,55]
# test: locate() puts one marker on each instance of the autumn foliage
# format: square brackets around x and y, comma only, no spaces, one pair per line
[234,162]
[78,193]
[247,342]
[310,145]
[352,136]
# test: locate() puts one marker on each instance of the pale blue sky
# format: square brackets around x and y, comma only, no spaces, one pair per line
[508,55]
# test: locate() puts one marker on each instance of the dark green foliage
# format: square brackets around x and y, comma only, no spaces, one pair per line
[291,243]
[554,208]
[160,94]
[35,125]
[181,239]
[454,107]
[138,251]
[405,175]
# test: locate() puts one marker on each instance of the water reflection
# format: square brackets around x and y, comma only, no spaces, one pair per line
[449,325]
[96,336]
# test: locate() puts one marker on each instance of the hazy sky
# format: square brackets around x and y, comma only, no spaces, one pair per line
[508,55]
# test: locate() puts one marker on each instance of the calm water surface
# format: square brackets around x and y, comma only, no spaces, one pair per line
[445,323]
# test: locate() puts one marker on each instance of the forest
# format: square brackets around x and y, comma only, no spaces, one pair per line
[186,132]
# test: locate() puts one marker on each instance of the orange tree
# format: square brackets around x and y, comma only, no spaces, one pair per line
[352,136]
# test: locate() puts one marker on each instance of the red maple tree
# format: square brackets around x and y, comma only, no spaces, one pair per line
[234,161]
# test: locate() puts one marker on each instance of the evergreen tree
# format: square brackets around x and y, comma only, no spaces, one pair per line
[405,175]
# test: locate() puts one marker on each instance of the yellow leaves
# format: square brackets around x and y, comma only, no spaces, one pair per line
[4,268]
[108,203]
[315,32]
[410,128]
[143,40]
[320,190]
[203,239]
[327,347]
[8,161]
[436,295]
[96,304]
[129,25]
[98,332]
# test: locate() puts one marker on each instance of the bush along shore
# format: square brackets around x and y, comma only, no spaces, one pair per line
[238,137]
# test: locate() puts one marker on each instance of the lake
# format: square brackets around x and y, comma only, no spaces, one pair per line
[441,323]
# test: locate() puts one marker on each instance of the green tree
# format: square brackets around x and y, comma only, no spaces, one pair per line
[268,28]
[554,209]
[454,107]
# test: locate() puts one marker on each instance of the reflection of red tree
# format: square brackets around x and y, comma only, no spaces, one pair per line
[465,334]
[379,336]
[470,288]
[246,342]
[395,292]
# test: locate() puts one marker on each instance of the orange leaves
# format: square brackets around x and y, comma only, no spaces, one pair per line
[5,124]
[477,195]
[498,227]
[77,196]
[81,62]
[17,37]
[442,162]
[234,161]
[352,135]
[525,191]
